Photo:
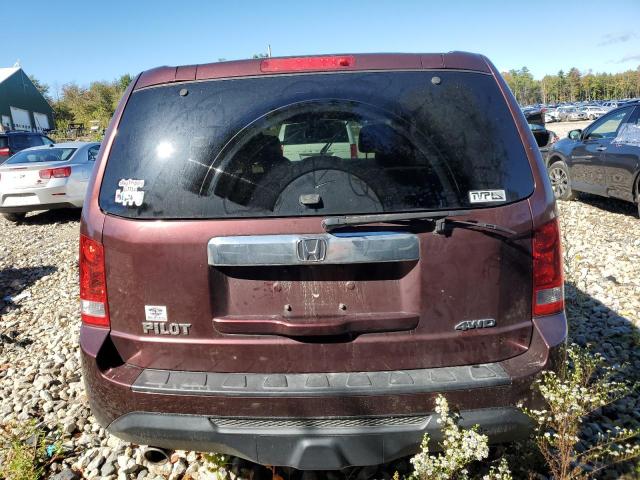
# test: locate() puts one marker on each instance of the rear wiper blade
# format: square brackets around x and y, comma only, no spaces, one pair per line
[475,224]
[331,223]
[441,218]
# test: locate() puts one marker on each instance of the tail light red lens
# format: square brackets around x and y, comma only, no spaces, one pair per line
[5,152]
[93,284]
[300,64]
[354,151]
[61,172]
[548,281]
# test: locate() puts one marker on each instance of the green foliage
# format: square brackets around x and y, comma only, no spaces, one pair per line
[459,448]
[522,84]
[572,86]
[84,105]
[23,453]
[96,103]
[583,384]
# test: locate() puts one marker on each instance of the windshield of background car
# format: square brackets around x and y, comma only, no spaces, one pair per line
[43,155]
[223,149]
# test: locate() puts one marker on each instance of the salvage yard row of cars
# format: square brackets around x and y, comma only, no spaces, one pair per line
[603,159]
[295,285]
[576,111]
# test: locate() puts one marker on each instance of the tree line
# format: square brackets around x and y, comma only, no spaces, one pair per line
[572,86]
[75,104]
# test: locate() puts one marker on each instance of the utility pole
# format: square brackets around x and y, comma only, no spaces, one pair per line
[269,50]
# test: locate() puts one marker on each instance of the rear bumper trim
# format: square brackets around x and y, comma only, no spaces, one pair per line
[322,384]
[309,443]
[37,206]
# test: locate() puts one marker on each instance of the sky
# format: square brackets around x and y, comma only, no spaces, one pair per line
[82,41]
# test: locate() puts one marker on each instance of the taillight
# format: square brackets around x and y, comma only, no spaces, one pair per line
[548,282]
[93,283]
[298,64]
[60,172]
[354,151]
[5,152]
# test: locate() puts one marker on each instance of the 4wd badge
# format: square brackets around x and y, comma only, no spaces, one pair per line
[473,324]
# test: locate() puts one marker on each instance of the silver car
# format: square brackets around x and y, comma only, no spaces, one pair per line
[593,111]
[47,177]
[551,115]
[571,114]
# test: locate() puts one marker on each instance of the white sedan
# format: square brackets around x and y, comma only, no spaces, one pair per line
[44,178]
[593,111]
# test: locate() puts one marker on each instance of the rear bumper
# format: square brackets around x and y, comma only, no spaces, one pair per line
[33,208]
[31,199]
[359,422]
[310,443]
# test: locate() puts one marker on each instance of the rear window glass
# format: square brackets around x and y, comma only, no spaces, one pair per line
[20,142]
[320,131]
[43,155]
[362,142]
[4,143]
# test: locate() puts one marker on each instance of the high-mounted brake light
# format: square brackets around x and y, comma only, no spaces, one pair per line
[548,281]
[354,151]
[300,64]
[61,172]
[93,284]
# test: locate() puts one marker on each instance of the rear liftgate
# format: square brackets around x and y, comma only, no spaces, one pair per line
[314,277]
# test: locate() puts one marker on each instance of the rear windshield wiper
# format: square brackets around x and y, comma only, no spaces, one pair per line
[441,218]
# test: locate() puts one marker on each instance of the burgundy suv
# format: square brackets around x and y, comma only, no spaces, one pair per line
[304,306]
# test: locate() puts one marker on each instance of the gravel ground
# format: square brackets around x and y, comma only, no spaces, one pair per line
[39,363]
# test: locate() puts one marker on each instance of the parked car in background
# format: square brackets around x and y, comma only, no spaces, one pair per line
[47,177]
[551,115]
[571,114]
[327,136]
[610,105]
[544,138]
[603,159]
[306,311]
[593,111]
[13,141]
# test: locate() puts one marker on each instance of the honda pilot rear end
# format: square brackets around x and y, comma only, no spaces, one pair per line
[288,259]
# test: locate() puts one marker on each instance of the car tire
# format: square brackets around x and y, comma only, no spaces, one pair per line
[560,181]
[14,217]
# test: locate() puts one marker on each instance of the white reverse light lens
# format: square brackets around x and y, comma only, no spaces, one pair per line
[549,295]
[93,309]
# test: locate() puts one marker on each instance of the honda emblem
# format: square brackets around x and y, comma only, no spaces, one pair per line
[312,249]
